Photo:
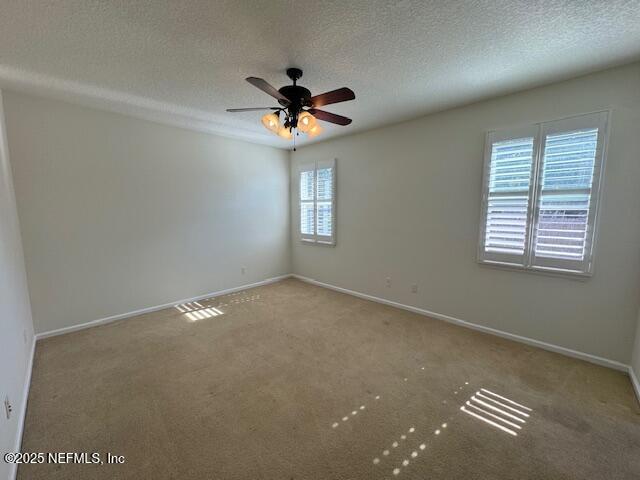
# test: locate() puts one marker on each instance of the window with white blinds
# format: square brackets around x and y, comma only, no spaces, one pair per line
[508,199]
[317,202]
[541,192]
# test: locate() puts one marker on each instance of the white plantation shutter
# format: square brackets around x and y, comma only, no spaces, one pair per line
[571,163]
[507,193]
[541,194]
[324,202]
[317,202]
[509,181]
[307,203]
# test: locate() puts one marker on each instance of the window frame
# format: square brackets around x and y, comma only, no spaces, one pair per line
[539,131]
[315,239]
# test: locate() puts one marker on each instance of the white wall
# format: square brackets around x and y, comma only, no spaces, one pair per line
[120,214]
[409,208]
[16,327]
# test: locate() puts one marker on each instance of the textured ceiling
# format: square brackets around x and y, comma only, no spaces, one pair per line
[185,61]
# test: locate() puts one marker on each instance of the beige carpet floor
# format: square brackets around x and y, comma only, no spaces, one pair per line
[292,381]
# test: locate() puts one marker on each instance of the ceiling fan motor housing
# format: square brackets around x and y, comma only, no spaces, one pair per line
[299,97]
[297,94]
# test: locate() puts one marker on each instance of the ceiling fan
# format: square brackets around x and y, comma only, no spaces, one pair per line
[298,108]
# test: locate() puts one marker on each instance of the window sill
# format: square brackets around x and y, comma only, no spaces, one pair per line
[317,242]
[549,272]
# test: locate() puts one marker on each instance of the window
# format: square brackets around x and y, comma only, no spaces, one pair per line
[541,189]
[317,202]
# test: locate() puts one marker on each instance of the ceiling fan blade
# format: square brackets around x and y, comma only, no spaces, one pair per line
[251,109]
[329,117]
[335,96]
[267,88]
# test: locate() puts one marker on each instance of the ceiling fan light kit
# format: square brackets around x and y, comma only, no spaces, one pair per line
[298,107]
[271,122]
[315,131]
[285,132]
[306,122]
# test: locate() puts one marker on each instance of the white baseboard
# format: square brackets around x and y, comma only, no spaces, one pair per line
[635,382]
[113,318]
[447,318]
[13,471]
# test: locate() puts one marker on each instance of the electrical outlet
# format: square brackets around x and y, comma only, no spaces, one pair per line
[243,270]
[414,288]
[7,407]
[388,280]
